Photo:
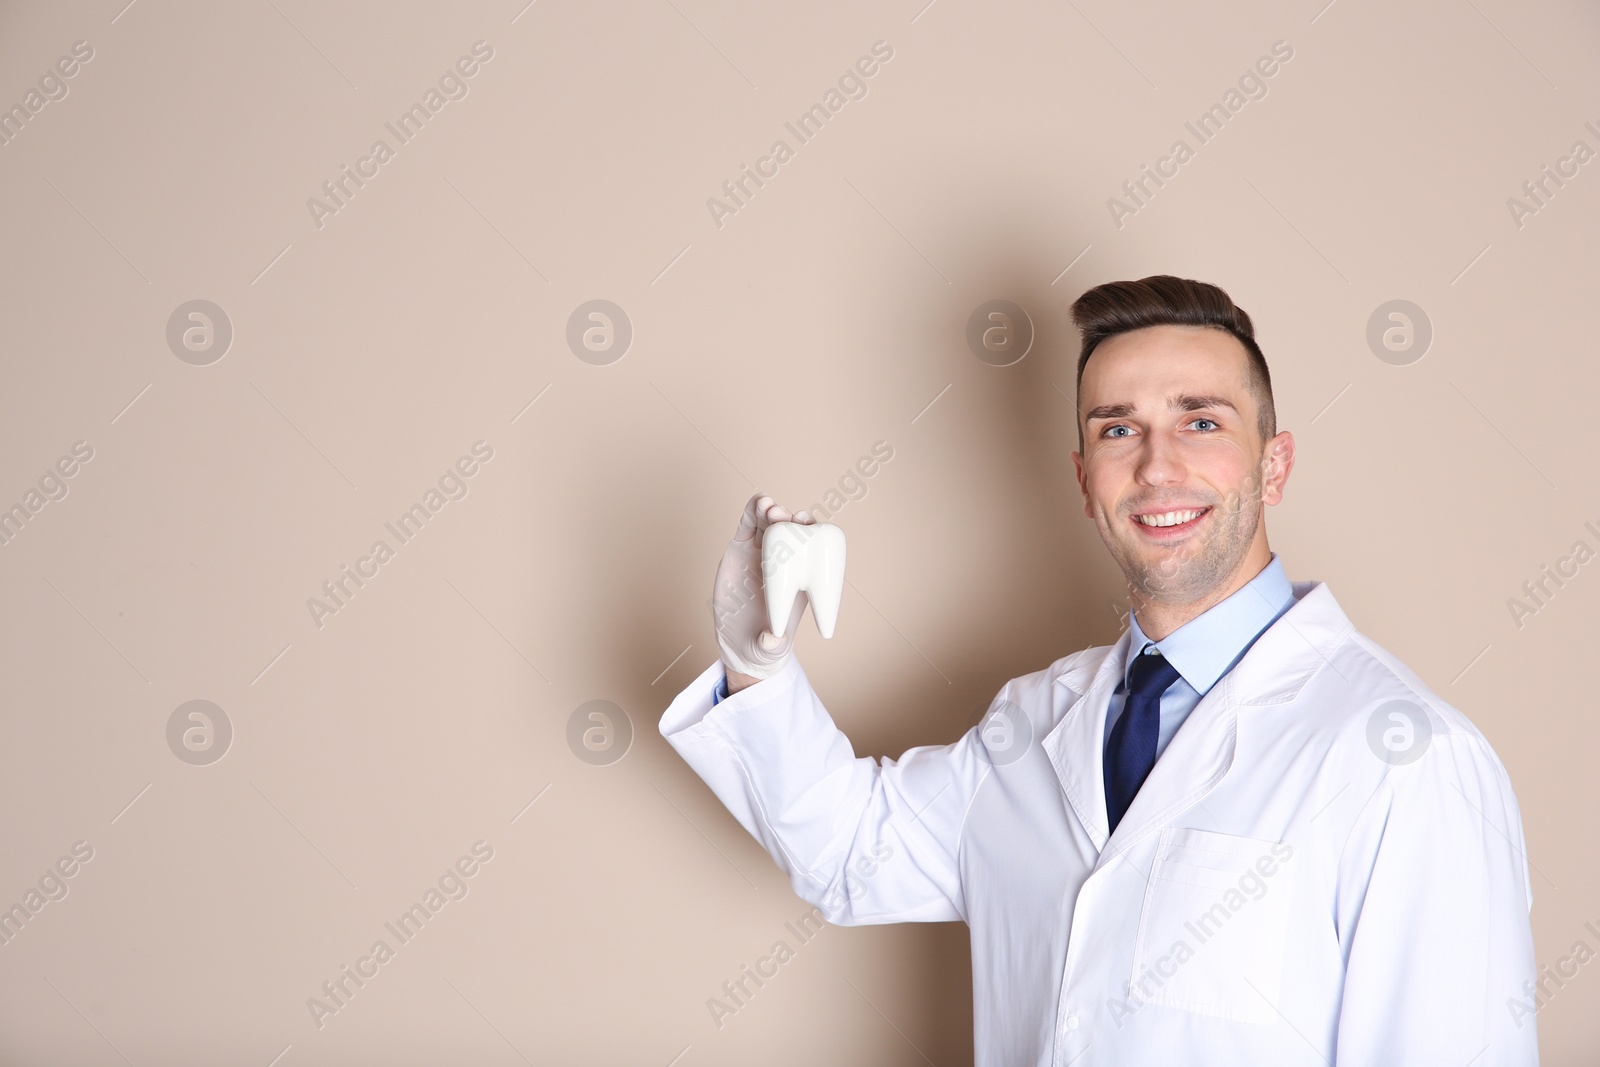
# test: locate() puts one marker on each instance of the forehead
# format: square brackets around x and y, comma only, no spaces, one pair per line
[1157,361]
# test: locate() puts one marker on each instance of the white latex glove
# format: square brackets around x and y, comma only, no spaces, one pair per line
[739,600]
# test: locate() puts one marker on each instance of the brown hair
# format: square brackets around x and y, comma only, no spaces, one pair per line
[1162,300]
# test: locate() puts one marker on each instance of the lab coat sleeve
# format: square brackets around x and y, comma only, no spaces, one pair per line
[1434,917]
[865,840]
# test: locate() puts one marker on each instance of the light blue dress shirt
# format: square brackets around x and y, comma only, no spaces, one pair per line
[1206,647]
[1202,649]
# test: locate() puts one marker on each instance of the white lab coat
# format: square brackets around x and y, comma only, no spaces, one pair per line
[1278,894]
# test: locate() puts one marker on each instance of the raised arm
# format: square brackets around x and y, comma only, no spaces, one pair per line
[865,840]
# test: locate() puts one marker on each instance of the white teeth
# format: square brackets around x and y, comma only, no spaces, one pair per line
[1168,518]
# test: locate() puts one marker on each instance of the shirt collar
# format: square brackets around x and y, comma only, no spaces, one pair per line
[1205,647]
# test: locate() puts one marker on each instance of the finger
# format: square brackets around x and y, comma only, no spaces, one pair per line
[769,641]
[750,521]
[804,517]
[775,513]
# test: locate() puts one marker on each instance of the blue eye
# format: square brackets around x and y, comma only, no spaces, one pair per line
[1110,431]
[1211,425]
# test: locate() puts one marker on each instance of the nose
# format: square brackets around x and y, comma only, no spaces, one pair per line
[1160,461]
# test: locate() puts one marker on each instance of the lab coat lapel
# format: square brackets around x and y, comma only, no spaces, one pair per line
[1195,761]
[1076,745]
[1201,753]
[1273,671]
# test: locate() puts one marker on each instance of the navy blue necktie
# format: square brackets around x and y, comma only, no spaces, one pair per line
[1131,751]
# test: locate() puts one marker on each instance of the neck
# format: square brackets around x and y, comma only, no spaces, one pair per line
[1158,618]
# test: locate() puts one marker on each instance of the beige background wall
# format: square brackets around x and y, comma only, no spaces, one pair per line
[368,353]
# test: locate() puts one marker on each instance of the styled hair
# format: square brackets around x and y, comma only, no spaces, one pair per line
[1162,300]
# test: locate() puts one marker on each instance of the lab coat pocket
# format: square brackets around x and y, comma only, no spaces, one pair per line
[1211,934]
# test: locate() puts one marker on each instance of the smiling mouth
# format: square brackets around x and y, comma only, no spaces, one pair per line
[1171,521]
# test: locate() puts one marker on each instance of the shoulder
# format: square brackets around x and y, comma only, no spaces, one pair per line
[1044,692]
[1389,713]
[1075,671]
[1390,679]
[1427,787]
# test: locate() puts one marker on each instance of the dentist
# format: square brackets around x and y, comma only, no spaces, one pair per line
[1244,834]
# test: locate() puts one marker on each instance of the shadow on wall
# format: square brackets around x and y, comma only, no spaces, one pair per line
[1031,581]
[1040,587]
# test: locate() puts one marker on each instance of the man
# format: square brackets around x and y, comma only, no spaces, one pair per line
[1244,834]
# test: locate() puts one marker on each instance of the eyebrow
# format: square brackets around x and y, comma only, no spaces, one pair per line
[1179,402]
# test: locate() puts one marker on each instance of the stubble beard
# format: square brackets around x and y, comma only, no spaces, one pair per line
[1192,571]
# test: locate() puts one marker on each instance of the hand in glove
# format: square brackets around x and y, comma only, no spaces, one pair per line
[750,650]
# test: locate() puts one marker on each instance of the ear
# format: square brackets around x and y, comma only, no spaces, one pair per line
[1276,464]
[1083,483]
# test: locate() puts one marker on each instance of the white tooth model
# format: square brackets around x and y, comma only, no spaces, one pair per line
[803,556]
